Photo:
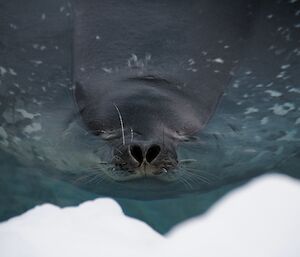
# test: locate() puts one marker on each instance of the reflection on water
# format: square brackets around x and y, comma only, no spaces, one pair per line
[25,188]
[46,156]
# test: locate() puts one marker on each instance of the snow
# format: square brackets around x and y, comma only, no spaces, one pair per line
[260,219]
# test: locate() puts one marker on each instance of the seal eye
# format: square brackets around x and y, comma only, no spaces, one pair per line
[180,136]
[184,138]
[109,134]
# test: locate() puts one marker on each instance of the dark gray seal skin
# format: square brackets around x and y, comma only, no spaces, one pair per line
[149,76]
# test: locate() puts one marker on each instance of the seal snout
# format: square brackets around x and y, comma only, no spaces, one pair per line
[142,159]
[141,156]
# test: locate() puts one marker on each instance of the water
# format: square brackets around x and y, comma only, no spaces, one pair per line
[45,153]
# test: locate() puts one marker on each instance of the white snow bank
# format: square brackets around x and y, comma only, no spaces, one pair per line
[260,219]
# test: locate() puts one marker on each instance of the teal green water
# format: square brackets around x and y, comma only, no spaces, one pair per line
[255,130]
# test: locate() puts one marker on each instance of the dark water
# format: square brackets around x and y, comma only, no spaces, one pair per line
[255,130]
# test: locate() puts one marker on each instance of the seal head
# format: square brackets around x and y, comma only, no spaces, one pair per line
[143,119]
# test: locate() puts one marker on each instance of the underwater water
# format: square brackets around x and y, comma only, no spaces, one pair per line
[46,154]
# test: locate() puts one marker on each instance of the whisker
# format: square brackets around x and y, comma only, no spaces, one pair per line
[183,161]
[84,178]
[163,137]
[99,178]
[193,179]
[184,182]
[199,172]
[179,181]
[94,178]
[103,163]
[199,177]
[189,184]
[196,179]
[93,175]
[131,134]
[118,150]
[122,124]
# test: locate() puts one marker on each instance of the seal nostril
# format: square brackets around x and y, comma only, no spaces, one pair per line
[152,153]
[136,153]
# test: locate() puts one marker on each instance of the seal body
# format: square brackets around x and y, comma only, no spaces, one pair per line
[153,78]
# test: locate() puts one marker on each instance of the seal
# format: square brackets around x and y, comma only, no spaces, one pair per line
[153,79]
